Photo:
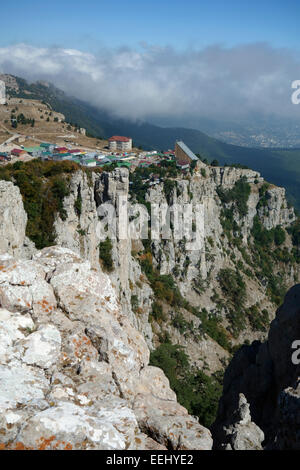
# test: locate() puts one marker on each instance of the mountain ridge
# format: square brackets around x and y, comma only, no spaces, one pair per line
[278,166]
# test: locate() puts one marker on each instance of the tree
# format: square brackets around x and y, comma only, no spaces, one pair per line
[105,255]
[279,235]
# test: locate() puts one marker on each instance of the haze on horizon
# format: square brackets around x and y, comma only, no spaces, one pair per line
[160,61]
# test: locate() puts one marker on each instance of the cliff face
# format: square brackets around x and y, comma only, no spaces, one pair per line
[268,377]
[78,232]
[13,222]
[83,336]
[201,275]
[195,272]
[74,372]
[203,189]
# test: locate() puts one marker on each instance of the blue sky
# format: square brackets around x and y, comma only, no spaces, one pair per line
[89,24]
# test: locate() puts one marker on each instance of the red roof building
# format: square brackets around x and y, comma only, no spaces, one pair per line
[61,149]
[118,142]
[119,138]
[17,152]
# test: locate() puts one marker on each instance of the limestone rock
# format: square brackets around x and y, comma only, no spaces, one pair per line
[269,379]
[74,372]
[42,348]
[288,424]
[241,433]
[70,427]
[13,221]
[191,269]
[79,231]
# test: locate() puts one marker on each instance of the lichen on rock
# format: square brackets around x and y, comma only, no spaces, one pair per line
[74,372]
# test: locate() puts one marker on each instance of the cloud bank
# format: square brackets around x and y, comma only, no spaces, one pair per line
[215,82]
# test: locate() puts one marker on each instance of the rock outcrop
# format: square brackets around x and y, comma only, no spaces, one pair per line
[267,374]
[241,433]
[83,337]
[13,220]
[79,231]
[74,372]
[194,271]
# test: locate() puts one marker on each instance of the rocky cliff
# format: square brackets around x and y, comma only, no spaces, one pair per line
[206,301]
[229,247]
[13,222]
[74,372]
[267,376]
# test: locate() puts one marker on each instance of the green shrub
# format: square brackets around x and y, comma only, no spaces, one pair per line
[195,390]
[134,302]
[43,186]
[169,186]
[105,255]
[259,320]
[263,196]
[233,286]
[264,258]
[180,323]
[238,195]
[78,204]
[211,325]
[279,235]
[234,290]
[157,312]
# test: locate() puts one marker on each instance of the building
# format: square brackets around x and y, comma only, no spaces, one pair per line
[89,162]
[4,157]
[183,166]
[184,155]
[33,151]
[47,147]
[2,92]
[103,161]
[121,143]
[61,150]
[17,152]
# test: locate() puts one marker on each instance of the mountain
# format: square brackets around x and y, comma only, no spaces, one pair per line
[278,166]
[74,372]
[123,343]
[80,317]
[253,130]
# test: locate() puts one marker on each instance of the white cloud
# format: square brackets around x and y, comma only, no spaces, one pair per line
[215,82]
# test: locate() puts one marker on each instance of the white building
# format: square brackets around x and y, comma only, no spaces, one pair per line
[117,142]
[2,93]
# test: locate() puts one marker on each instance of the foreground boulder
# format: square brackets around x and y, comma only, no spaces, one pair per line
[74,372]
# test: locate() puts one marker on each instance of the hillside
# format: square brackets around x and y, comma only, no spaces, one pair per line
[193,307]
[281,167]
[75,372]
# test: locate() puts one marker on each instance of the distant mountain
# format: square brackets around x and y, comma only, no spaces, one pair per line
[253,130]
[279,166]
